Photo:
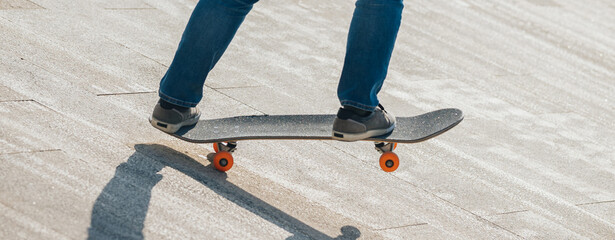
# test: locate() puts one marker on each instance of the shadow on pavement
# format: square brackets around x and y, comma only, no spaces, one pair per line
[120,210]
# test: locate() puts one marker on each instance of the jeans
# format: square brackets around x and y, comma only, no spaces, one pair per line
[213,24]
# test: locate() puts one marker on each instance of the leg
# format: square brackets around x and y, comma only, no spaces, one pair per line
[371,38]
[209,32]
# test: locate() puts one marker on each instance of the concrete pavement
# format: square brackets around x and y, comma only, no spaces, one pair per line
[532,159]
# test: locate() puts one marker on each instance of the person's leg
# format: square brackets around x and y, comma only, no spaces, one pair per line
[371,38]
[211,28]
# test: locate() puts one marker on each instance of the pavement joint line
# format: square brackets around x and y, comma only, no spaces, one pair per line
[32,151]
[21,8]
[17,100]
[240,87]
[144,8]
[511,212]
[529,74]
[478,217]
[47,107]
[126,93]
[403,226]
[595,203]
[248,105]
[515,181]
[346,152]
[149,7]
[30,100]
[67,116]
[62,114]
[145,56]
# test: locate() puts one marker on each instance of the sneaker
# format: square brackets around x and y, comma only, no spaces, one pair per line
[169,119]
[351,126]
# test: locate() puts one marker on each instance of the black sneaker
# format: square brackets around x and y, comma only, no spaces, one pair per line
[351,126]
[170,119]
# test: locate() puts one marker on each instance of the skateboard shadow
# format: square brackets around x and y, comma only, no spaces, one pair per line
[120,210]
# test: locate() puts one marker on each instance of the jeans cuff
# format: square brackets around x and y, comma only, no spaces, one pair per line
[175,100]
[358,105]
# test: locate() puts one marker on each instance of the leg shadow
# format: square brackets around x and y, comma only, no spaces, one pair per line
[120,210]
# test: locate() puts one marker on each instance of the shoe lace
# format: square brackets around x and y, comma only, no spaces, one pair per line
[381,107]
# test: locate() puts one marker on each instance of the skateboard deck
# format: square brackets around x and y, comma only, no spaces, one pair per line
[311,127]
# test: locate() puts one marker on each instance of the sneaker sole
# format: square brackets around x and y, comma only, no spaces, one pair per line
[171,128]
[351,137]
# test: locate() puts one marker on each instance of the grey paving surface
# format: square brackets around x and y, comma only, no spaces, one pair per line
[533,158]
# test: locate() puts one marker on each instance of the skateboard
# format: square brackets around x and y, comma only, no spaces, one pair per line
[224,133]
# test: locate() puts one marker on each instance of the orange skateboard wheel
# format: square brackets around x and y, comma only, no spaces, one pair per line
[223,161]
[389,161]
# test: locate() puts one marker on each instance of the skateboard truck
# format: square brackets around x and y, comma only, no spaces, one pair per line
[223,159]
[389,161]
[383,147]
[225,147]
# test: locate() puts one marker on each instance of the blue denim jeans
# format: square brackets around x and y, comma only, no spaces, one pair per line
[213,24]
